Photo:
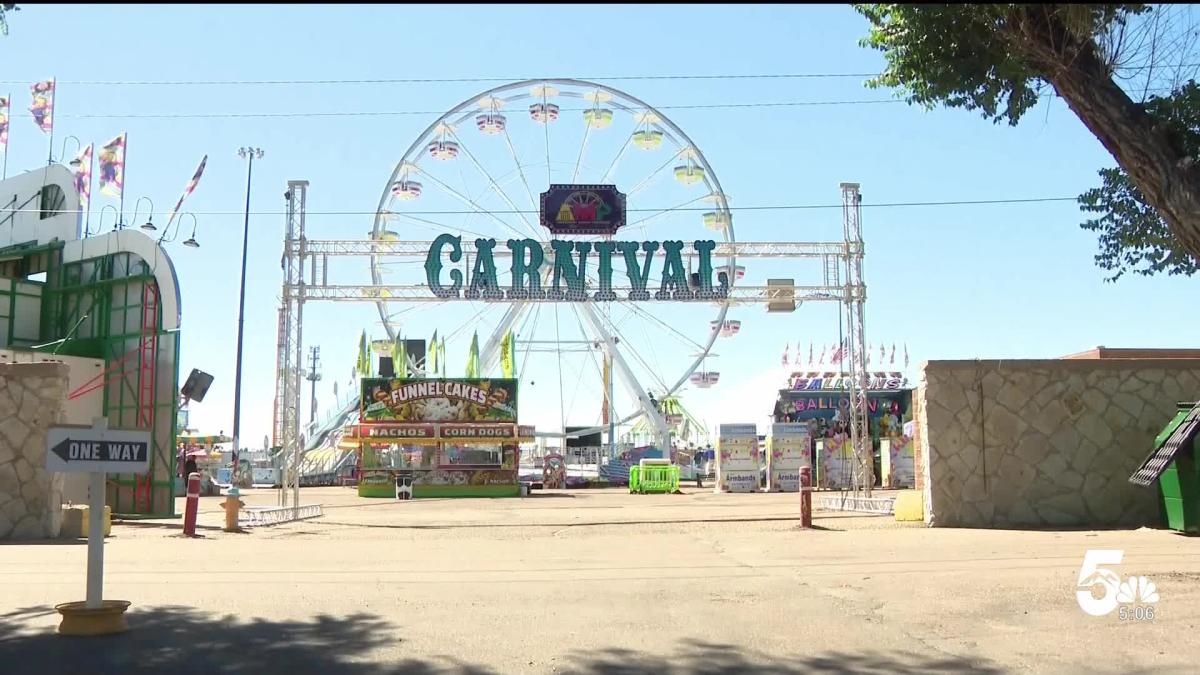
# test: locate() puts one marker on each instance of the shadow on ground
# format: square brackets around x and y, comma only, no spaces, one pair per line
[181,640]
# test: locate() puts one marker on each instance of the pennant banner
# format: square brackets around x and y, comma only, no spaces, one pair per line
[473,357]
[112,167]
[188,190]
[83,177]
[506,355]
[42,106]
[4,111]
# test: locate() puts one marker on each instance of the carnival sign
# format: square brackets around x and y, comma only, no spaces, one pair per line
[878,381]
[583,209]
[439,400]
[569,267]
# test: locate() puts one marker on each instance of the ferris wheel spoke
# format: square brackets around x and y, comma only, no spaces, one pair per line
[658,214]
[648,180]
[686,340]
[623,370]
[587,131]
[495,185]
[653,372]
[613,164]
[470,202]
[520,169]
[489,355]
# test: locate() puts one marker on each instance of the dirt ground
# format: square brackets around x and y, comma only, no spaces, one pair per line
[596,582]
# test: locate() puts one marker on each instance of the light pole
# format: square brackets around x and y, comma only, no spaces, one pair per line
[250,154]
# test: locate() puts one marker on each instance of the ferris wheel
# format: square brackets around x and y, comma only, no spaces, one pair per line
[478,171]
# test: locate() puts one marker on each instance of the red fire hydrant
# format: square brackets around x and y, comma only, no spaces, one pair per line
[192,505]
[805,497]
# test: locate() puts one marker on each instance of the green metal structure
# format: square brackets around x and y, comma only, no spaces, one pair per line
[104,306]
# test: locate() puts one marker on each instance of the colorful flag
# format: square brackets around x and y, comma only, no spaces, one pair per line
[364,356]
[508,355]
[837,354]
[83,177]
[473,357]
[42,106]
[823,351]
[4,111]
[188,190]
[112,167]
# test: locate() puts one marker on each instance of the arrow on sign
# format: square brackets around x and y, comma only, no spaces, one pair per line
[97,450]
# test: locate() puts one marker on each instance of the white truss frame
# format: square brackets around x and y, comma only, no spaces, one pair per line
[298,251]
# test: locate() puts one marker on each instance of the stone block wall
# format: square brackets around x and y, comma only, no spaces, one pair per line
[1044,443]
[32,398]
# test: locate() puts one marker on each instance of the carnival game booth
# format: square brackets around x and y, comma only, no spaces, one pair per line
[738,466]
[444,437]
[208,457]
[820,400]
[788,449]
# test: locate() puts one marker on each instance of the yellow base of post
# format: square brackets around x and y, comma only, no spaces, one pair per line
[909,506]
[75,522]
[107,619]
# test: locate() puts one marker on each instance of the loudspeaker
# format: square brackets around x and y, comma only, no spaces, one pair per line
[386,367]
[197,385]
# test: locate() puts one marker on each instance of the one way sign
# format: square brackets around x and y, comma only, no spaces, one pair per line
[92,449]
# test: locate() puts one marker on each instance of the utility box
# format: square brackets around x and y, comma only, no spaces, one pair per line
[1174,464]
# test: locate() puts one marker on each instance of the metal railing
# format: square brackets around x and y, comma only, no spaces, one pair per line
[275,515]
[846,501]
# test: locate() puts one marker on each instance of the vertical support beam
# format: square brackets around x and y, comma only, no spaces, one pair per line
[286,425]
[854,305]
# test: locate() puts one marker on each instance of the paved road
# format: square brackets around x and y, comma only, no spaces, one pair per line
[596,582]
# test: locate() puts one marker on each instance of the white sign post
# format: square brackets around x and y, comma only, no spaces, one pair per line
[96,450]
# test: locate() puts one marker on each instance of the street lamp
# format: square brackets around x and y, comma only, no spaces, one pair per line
[116,218]
[78,146]
[149,224]
[249,154]
[168,235]
[191,242]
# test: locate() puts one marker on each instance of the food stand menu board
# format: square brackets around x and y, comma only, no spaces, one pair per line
[787,451]
[737,458]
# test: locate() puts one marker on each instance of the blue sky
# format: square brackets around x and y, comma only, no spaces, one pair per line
[992,281]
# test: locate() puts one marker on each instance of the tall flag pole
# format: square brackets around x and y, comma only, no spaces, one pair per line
[187,191]
[83,185]
[785,353]
[442,349]
[810,353]
[5,108]
[432,357]
[893,361]
[42,109]
[112,171]
[906,356]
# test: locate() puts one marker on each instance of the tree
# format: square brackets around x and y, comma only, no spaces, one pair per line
[5,7]
[999,59]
